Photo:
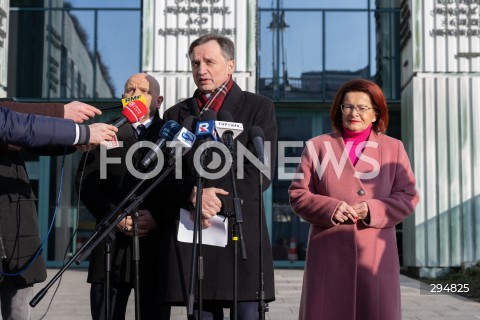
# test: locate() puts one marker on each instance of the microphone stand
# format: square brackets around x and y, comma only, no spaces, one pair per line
[237,234]
[107,256]
[197,258]
[262,306]
[103,229]
[136,263]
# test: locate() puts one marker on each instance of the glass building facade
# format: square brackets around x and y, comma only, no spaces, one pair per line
[306,51]
[61,51]
[85,50]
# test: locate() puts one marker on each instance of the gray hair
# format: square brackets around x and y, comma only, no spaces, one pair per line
[226,45]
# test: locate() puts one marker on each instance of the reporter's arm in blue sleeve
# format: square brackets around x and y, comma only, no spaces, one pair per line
[34,131]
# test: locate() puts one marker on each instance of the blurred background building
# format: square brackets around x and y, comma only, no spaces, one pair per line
[424,54]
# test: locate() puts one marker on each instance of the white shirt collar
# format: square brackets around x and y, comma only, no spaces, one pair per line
[146,123]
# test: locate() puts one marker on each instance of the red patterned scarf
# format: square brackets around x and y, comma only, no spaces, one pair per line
[215,101]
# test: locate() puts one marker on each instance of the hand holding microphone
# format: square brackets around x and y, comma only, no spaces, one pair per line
[101,132]
[134,109]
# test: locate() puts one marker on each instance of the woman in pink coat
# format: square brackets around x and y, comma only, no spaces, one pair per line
[353,186]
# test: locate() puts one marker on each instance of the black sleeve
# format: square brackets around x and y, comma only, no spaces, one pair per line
[93,189]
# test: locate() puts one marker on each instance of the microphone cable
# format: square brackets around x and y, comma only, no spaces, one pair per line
[75,229]
[40,249]
[37,253]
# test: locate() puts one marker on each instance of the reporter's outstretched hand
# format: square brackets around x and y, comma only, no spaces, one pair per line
[101,132]
[79,111]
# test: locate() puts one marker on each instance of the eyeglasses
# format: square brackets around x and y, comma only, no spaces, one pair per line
[360,108]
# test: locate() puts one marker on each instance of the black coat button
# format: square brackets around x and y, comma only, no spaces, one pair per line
[361,192]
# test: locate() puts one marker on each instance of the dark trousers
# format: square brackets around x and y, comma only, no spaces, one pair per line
[149,308]
[213,310]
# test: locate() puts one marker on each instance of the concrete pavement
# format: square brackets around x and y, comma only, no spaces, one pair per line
[72,300]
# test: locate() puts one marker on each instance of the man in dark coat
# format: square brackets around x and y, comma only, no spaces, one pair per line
[212,60]
[102,195]
[22,262]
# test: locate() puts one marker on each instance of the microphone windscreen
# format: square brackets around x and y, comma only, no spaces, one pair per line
[190,123]
[224,115]
[134,111]
[169,130]
[209,115]
[254,132]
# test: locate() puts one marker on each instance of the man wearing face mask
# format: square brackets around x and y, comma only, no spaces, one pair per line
[101,196]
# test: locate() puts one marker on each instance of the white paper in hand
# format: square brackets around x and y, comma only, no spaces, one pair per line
[215,235]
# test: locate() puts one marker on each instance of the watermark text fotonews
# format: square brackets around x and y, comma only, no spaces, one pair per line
[221,159]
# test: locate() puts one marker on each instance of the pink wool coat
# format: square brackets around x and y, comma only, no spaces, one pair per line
[352,270]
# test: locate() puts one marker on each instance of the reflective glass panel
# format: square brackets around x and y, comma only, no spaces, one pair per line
[373,36]
[286,226]
[78,69]
[346,47]
[75,54]
[386,62]
[290,50]
[104,3]
[119,43]
[27,71]
[322,4]
[288,231]
[79,54]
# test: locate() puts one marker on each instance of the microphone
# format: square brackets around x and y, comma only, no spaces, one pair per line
[256,135]
[190,123]
[167,133]
[183,139]
[227,129]
[209,115]
[205,129]
[134,108]
[205,132]
[124,103]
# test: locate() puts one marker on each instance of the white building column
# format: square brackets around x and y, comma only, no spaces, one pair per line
[4,10]
[170,26]
[440,42]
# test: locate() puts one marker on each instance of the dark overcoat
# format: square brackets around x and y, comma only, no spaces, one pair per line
[101,196]
[250,110]
[18,213]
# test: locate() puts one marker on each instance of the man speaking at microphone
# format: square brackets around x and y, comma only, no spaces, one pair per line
[212,61]
[101,196]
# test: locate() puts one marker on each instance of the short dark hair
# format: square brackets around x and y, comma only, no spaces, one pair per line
[376,96]
[227,46]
